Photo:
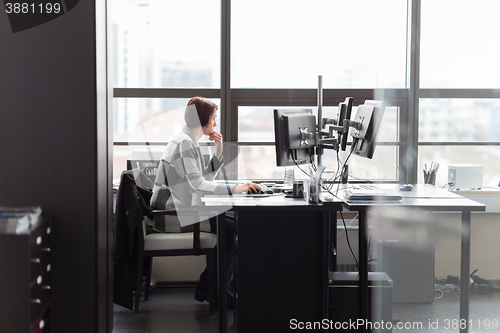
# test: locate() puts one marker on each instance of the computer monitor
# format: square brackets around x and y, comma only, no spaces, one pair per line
[296,136]
[148,168]
[369,116]
[345,110]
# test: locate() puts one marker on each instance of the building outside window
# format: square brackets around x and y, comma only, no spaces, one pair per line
[433,62]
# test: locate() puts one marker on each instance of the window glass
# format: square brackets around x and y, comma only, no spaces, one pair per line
[256,124]
[139,121]
[259,163]
[487,156]
[166,43]
[459,44]
[459,120]
[150,119]
[383,165]
[287,44]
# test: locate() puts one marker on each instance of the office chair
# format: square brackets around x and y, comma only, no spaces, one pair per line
[146,247]
[194,243]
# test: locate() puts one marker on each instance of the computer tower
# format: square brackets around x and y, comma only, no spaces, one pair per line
[411,268]
[344,301]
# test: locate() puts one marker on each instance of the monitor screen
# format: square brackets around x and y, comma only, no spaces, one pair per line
[295,135]
[147,168]
[345,109]
[369,115]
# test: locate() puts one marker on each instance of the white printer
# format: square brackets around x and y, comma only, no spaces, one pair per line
[465,176]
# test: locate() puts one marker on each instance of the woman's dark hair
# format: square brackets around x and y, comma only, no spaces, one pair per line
[200,113]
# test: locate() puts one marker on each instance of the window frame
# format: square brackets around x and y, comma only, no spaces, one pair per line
[407,99]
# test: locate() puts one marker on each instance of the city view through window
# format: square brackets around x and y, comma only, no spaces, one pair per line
[177,45]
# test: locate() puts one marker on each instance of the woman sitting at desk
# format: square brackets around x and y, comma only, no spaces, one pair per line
[183,178]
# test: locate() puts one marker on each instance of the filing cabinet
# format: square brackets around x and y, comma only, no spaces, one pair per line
[25,270]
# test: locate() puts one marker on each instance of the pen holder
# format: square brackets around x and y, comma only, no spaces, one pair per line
[298,189]
[430,178]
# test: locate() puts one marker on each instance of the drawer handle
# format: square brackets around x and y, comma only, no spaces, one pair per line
[35,260]
[45,287]
[39,240]
[46,249]
[39,279]
[36,301]
[49,268]
[48,231]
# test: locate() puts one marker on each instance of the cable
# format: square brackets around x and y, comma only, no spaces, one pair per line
[347,238]
[297,165]
[438,290]
[353,219]
[342,168]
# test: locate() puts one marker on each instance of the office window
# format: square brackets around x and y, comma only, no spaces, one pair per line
[166,43]
[460,47]
[461,130]
[258,155]
[256,124]
[145,124]
[287,44]
[150,119]
[459,120]
[487,156]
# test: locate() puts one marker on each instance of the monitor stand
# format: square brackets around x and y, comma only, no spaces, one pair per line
[345,174]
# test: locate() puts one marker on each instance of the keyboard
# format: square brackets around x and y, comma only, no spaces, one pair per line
[369,192]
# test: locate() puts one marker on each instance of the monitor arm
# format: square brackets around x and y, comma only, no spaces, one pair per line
[327,139]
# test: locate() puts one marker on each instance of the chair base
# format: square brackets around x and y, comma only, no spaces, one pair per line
[147,265]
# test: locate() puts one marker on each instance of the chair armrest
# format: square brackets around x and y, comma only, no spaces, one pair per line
[157,212]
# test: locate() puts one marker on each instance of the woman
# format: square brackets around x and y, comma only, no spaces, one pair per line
[183,178]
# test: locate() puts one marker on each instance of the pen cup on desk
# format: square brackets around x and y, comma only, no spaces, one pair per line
[430,174]
[429,177]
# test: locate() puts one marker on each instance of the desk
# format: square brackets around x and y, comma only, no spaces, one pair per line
[427,198]
[296,285]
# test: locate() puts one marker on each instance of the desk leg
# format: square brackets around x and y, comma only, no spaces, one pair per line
[363,268]
[325,266]
[465,270]
[222,272]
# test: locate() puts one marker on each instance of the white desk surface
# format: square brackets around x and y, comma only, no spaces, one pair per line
[488,196]
[425,197]
[276,200]
[422,196]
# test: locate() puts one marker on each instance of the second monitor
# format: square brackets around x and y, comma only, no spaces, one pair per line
[368,116]
[295,135]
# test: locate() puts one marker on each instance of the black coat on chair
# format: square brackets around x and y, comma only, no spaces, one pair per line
[132,205]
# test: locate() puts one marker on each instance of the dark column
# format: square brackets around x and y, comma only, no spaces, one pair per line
[55,151]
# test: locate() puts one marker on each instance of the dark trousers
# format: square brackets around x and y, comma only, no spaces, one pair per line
[203,282]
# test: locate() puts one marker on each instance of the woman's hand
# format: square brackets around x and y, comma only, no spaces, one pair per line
[217,138]
[247,188]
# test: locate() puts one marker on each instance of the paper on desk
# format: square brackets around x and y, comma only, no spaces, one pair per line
[211,201]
